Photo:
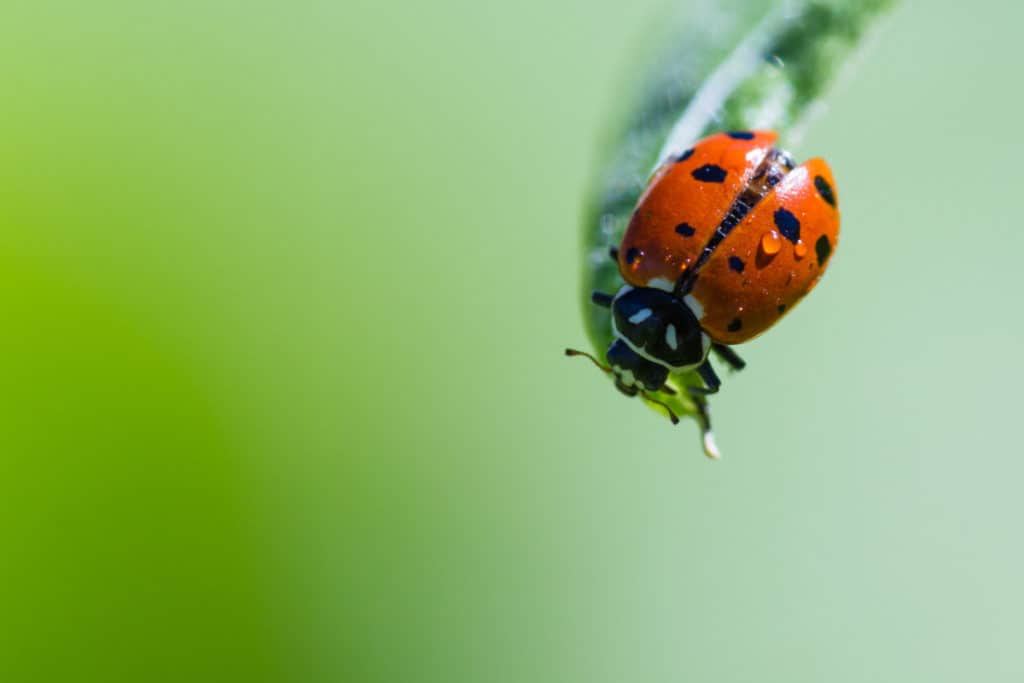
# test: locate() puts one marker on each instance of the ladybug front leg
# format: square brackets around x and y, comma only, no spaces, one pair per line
[729,356]
[710,377]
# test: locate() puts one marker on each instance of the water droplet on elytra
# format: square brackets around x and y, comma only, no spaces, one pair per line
[771,243]
[800,249]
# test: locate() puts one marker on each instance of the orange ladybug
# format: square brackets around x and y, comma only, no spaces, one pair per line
[725,240]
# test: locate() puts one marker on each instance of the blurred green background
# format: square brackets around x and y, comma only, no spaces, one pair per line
[283,294]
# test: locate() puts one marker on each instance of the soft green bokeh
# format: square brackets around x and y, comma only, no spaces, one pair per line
[283,292]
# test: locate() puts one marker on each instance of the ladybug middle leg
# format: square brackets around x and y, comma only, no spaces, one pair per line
[729,356]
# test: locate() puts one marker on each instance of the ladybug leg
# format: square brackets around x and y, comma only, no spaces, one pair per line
[602,299]
[710,377]
[613,252]
[729,356]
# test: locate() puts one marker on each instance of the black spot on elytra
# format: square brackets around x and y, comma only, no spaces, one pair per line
[735,325]
[685,155]
[736,263]
[823,248]
[782,308]
[632,255]
[740,135]
[686,230]
[788,225]
[709,173]
[825,190]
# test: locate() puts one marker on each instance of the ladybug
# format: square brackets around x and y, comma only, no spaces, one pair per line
[725,240]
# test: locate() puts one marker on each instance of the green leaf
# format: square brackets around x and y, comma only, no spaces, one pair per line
[753,65]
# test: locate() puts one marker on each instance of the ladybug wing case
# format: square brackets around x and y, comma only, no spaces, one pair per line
[773,258]
[684,204]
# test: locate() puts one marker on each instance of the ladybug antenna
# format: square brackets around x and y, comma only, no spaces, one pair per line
[671,414]
[574,352]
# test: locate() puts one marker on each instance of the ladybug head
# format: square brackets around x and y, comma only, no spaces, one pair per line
[632,371]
